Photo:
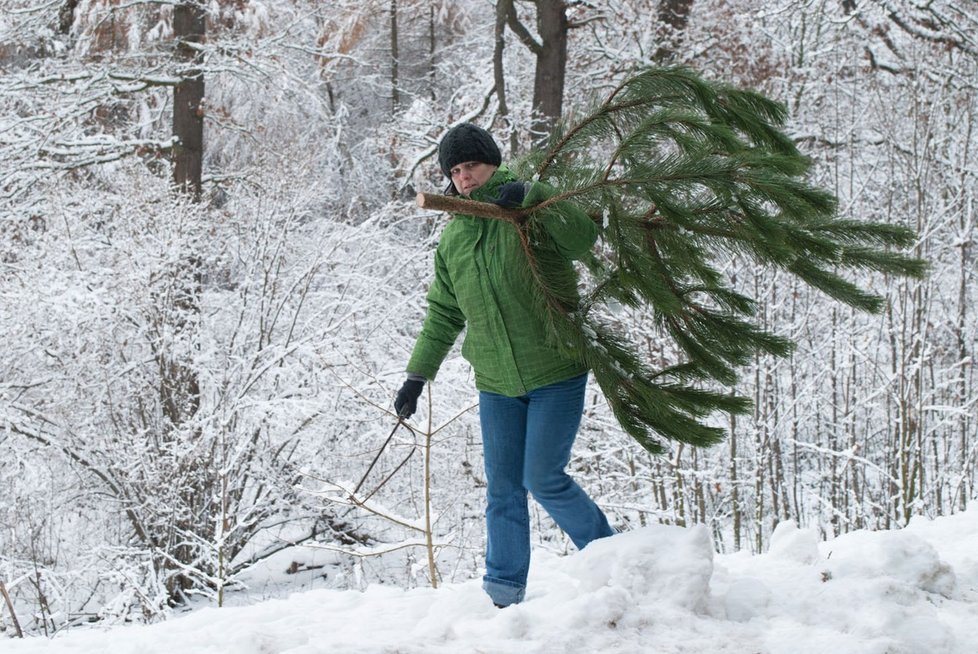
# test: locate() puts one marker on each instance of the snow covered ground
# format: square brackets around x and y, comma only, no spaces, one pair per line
[656,590]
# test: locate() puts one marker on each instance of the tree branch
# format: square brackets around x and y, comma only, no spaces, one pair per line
[932,32]
[10,606]
[522,33]
[452,204]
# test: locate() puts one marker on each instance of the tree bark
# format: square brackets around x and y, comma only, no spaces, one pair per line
[503,9]
[551,54]
[66,16]
[10,607]
[395,55]
[432,42]
[548,82]
[674,14]
[734,488]
[189,24]
[453,204]
[181,392]
[179,381]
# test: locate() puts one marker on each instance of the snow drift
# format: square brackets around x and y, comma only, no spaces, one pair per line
[658,589]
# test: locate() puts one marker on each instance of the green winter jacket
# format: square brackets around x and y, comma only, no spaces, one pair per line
[482,283]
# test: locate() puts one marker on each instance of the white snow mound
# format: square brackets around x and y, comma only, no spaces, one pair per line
[659,589]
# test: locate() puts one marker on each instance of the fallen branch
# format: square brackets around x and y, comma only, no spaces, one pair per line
[10,605]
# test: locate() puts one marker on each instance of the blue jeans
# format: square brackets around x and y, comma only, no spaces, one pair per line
[527,442]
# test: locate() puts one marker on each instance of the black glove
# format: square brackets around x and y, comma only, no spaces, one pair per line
[510,195]
[406,402]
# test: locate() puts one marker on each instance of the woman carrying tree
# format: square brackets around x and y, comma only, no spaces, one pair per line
[531,397]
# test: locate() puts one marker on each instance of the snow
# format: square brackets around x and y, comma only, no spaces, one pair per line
[657,589]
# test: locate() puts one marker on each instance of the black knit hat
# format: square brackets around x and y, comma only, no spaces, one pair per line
[467,142]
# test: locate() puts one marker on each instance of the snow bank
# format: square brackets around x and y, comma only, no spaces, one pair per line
[659,589]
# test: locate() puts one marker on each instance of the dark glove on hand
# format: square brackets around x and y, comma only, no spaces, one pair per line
[406,402]
[510,195]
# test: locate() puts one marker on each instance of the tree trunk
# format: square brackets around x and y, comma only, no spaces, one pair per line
[675,15]
[179,382]
[66,16]
[395,54]
[548,83]
[181,390]
[678,488]
[10,607]
[734,481]
[966,276]
[503,9]
[432,42]
[832,435]
[189,26]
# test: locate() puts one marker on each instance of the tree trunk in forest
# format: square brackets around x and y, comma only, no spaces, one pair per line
[760,459]
[678,489]
[734,489]
[503,10]
[189,24]
[548,83]
[179,383]
[551,54]
[853,476]
[66,16]
[10,607]
[432,42]
[395,55]
[966,274]
[658,485]
[181,386]
[699,490]
[832,435]
[674,14]
[966,270]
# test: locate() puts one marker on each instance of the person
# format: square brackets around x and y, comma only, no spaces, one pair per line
[531,398]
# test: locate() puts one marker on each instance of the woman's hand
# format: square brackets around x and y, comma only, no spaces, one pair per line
[510,195]
[406,402]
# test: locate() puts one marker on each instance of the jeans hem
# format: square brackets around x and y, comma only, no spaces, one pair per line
[503,592]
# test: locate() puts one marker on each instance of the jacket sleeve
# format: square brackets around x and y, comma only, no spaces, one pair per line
[572,231]
[442,324]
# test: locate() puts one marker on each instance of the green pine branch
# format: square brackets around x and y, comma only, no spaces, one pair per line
[684,173]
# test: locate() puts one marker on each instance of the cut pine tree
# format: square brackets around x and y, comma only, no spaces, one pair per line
[682,173]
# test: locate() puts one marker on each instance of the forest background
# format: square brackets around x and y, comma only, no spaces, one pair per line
[212,271]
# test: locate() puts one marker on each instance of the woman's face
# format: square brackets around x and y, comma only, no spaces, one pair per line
[470,175]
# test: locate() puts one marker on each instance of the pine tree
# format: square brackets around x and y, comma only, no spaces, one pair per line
[683,173]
